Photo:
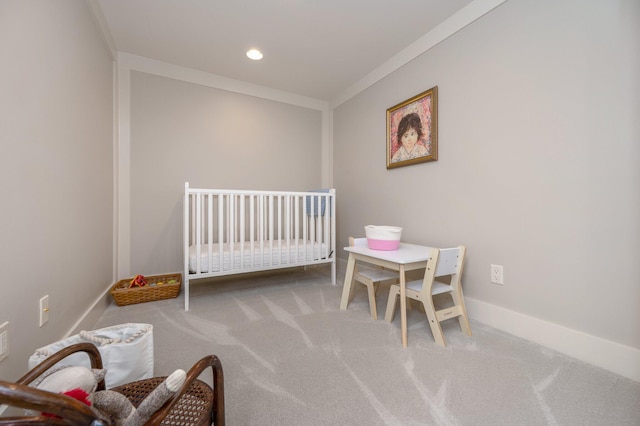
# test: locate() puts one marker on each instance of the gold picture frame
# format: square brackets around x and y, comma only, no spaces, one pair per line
[417,119]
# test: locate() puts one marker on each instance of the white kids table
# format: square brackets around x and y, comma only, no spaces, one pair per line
[408,257]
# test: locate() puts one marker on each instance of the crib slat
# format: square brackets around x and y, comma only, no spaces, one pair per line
[279,228]
[270,224]
[323,249]
[252,219]
[305,229]
[287,228]
[210,232]
[198,230]
[241,225]
[231,228]
[260,232]
[220,235]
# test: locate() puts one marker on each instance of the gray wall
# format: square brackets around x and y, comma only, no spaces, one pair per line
[56,178]
[211,138]
[539,161]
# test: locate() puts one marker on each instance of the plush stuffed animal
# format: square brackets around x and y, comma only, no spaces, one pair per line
[81,383]
[118,406]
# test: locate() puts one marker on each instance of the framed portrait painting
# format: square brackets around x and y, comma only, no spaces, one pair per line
[412,130]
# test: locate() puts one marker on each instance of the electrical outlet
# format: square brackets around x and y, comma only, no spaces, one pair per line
[497,274]
[4,340]
[44,310]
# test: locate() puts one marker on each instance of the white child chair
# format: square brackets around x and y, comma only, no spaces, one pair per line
[371,278]
[441,263]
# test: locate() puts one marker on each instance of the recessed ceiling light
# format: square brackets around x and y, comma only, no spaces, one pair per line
[254,54]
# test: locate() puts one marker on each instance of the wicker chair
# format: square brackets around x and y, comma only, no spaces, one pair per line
[194,404]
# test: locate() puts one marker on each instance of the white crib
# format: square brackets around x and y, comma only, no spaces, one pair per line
[237,231]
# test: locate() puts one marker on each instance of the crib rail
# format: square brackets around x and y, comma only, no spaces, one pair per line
[236,231]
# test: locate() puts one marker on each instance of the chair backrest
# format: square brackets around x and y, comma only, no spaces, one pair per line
[69,410]
[448,262]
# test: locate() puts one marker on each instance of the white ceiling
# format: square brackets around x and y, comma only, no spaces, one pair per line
[313,48]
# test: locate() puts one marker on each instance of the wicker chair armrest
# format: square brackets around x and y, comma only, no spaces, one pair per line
[29,398]
[89,348]
[210,361]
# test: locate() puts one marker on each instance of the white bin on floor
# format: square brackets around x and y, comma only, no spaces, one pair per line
[126,351]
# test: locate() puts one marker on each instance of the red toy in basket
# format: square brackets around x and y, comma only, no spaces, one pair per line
[138,281]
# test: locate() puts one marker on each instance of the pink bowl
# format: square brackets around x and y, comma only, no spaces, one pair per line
[383,244]
[383,237]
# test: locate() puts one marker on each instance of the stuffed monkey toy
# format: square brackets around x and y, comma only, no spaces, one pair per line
[118,406]
[81,383]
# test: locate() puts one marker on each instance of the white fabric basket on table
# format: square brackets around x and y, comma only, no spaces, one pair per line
[126,351]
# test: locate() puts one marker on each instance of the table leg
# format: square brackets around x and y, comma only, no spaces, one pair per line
[348,282]
[403,305]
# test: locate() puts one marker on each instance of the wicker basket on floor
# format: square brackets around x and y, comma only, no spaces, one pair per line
[157,288]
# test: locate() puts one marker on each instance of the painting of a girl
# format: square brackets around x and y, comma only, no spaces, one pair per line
[412,130]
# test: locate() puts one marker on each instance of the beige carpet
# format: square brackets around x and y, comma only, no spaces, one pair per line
[291,357]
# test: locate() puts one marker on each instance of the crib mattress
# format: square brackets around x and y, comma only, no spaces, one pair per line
[262,255]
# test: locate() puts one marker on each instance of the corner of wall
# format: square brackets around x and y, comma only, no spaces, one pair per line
[91,315]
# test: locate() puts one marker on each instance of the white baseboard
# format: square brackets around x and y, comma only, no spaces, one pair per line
[612,356]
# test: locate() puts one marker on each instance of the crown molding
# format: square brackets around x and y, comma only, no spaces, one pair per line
[176,72]
[461,19]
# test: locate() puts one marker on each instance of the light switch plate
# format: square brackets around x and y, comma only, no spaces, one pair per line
[4,340]
[44,310]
